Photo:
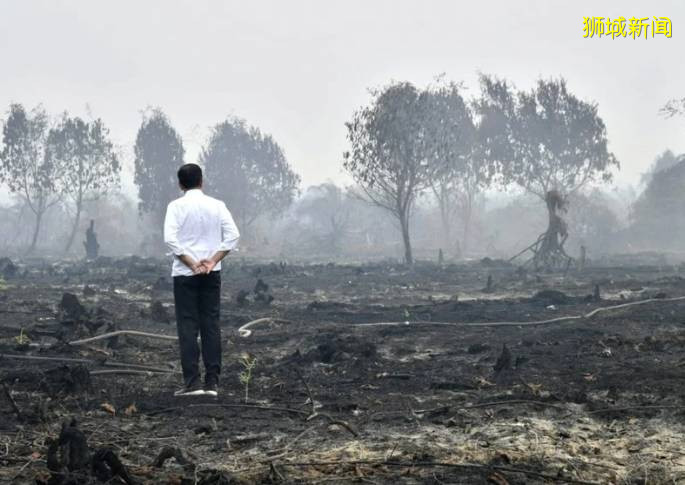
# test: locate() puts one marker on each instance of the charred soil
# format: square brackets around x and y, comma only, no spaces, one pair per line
[370,373]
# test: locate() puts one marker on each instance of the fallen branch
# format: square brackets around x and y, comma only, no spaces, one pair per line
[128,371]
[491,404]
[284,451]
[13,403]
[335,421]
[529,247]
[139,367]
[315,415]
[424,464]
[229,406]
[123,332]
[309,391]
[634,408]
[48,359]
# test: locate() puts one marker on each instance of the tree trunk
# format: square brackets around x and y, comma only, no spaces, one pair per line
[404,222]
[466,234]
[36,230]
[549,253]
[445,219]
[247,235]
[77,220]
[553,225]
[442,196]
[549,244]
[468,210]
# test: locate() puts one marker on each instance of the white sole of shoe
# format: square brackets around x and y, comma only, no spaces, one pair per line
[198,392]
[211,393]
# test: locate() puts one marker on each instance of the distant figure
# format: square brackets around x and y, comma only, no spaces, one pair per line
[91,242]
[200,232]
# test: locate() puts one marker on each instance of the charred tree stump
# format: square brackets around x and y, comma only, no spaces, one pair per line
[91,243]
[549,253]
[548,250]
[71,461]
[503,361]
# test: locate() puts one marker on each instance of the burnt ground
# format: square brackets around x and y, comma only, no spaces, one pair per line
[596,400]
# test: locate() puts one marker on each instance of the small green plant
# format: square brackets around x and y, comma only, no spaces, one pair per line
[22,339]
[248,364]
[3,283]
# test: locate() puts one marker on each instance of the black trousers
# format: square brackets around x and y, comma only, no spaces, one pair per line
[197,300]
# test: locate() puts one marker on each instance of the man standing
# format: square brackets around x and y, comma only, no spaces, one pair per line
[200,232]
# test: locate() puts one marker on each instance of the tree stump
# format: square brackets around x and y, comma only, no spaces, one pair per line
[548,250]
[91,243]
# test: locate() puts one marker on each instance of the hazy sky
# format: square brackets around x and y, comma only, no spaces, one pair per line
[298,69]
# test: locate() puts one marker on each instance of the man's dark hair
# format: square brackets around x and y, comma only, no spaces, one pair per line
[190,176]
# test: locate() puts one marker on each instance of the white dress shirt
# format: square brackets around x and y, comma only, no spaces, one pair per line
[198,226]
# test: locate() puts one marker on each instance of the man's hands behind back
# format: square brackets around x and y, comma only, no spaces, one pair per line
[204,266]
[199,267]
[207,266]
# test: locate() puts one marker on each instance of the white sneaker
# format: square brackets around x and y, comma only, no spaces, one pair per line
[211,390]
[191,390]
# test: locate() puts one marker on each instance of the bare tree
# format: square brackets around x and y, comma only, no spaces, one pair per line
[25,165]
[548,142]
[88,164]
[387,156]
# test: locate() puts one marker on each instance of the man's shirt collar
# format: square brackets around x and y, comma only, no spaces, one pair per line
[193,192]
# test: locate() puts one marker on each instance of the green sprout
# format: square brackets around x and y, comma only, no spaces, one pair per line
[22,338]
[248,364]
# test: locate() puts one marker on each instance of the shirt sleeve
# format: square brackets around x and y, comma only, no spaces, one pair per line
[171,227]
[229,232]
